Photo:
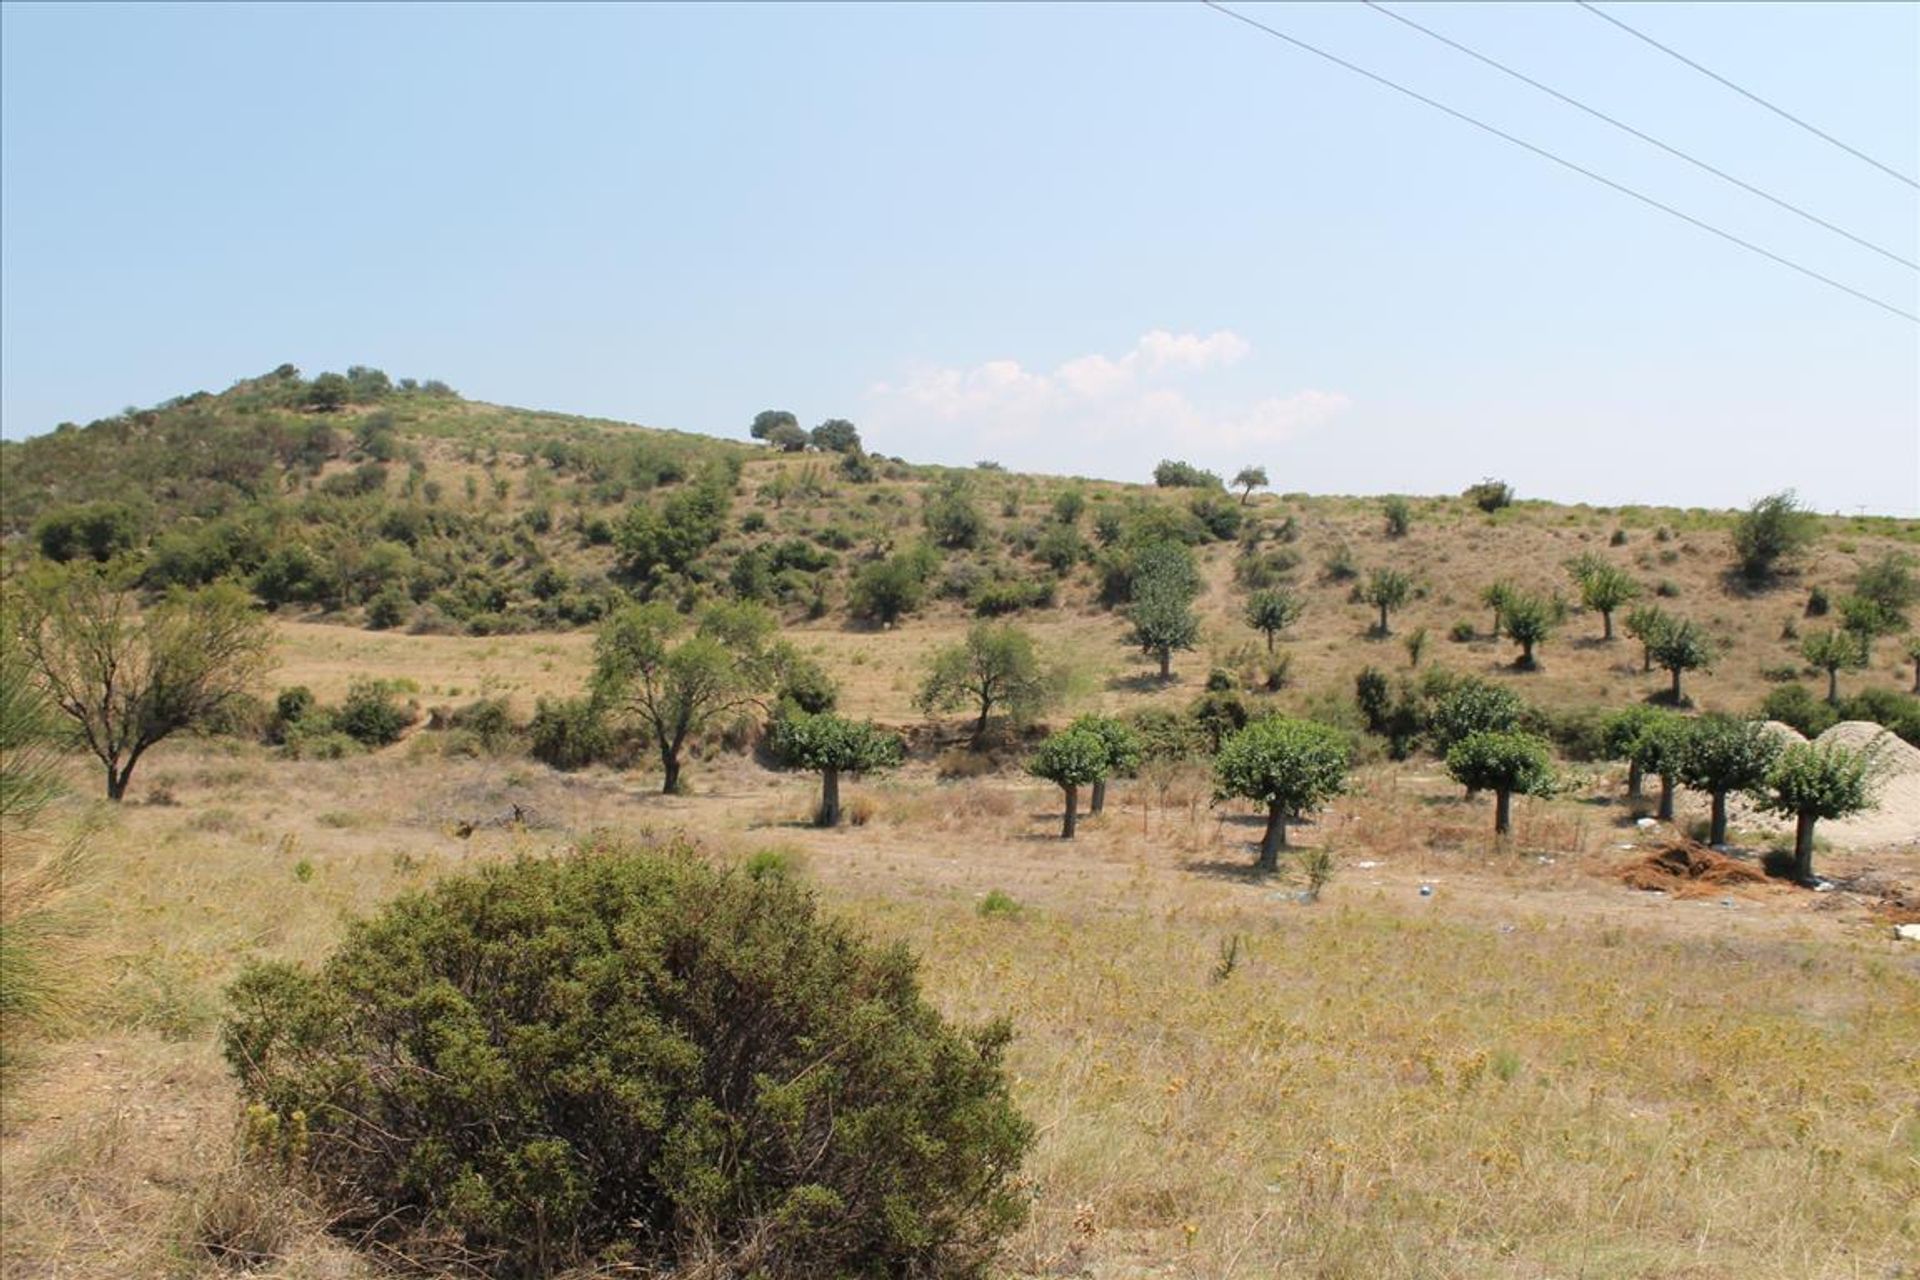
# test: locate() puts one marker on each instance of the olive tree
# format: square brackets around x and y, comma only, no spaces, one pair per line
[1495,596]
[1530,620]
[1678,647]
[1622,732]
[1646,624]
[1831,650]
[1505,764]
[1293,767]
[1249,479]
[995,667]
[129,677]
[1164,585]
[1125,750]
[673,688]
[831,745]
[1810,781]
[767,421]
[1605,590]
[1273,611]
[1721,755]
[1387,590]
[1071,759]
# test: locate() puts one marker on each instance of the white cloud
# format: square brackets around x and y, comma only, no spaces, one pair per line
[1112,401]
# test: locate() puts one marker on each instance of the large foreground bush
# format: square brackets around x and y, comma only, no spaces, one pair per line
[629,1057]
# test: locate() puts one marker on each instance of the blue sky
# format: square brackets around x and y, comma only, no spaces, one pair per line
[1073,239]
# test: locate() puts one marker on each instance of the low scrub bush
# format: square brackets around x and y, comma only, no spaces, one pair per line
[569,734]
[1799,706]
[628,1059]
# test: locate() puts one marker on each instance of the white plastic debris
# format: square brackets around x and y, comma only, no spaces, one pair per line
[1907,932]
[1646,824]
[1426,891]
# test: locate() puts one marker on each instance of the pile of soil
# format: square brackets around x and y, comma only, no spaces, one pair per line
[1684,866]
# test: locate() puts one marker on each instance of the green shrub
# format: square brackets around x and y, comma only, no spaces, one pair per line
[629,1059]
[1799,706]
[372,715]
[569,734]
[1898,712]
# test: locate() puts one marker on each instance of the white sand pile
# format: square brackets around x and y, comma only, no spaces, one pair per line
[1896,818]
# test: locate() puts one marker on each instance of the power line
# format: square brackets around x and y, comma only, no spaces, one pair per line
[1782,112]
[1644,137]
[1564,163]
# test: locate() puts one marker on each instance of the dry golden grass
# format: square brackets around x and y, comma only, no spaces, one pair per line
[1532,1072]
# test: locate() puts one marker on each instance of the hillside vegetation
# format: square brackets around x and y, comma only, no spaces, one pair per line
[1283,1005]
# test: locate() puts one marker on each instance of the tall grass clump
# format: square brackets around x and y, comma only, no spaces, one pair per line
[39,928]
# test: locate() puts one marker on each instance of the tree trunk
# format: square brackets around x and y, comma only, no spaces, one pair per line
[1717,830]
[829,815]
[1496,624]
[1646,657]
[670,769]
[117,782]
[1526,655]
[1502,811]
[1665,812]
[1606,624]
[1244,497]
[1166,664]
[1916,664]
[1803,848]
[1274,840]
[1383,621]
[1099,801]
[1634,776]
[1833,686]
[1073,803]
[980,725]
[1676,687]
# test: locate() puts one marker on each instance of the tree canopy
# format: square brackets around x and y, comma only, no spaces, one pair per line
[1293,767]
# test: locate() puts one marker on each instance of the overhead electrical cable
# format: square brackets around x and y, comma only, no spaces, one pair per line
[1782,112]
[1671,150]
[1545,154]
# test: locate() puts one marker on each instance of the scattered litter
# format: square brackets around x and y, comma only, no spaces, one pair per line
[1545,861]
[1645,824]
[1505,928]
[1907,932]
[1726,902]
[1823,886]
[1626,846]
[1367,865]
[1684,864]
[1426,891]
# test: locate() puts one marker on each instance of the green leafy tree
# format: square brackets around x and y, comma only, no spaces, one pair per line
[995,668]
[1490,495]
[1505,764]
[1722,755]
[1646,623]
[329,393]
[1387,590]
[1530,620]
[1810,781]
[887,590]
[1834,650]
[836,435]
[789,439]
[1183,475]
[1472,706]
[655,541]
[1293,767]
[1889,583]
[1606,590]
[1772,530]
[1622,732]
[1658,750]
[1399,514]
[831,745]
[1678,647]
[1125,750]
[1071,759]
[628,1054]
[1247,480]
[130,678]
[1866,619]
[1495,597]
[767,421]
[1273,611]
[96,530]
[951,518]
[671,687]
[1164,585]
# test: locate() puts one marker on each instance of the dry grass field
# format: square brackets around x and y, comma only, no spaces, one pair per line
[1530,1072]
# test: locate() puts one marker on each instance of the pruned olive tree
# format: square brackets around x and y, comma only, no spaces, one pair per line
[1530,620]
[1678,647]
[1606,590]
[1249,479]
[130,677]
[1810,781]
[1125,750]
[1387,590]
[1071,759]
[1272,611]
[1831,651]
[1505,764]
[831,745]
[1293,767]
[1723,754]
